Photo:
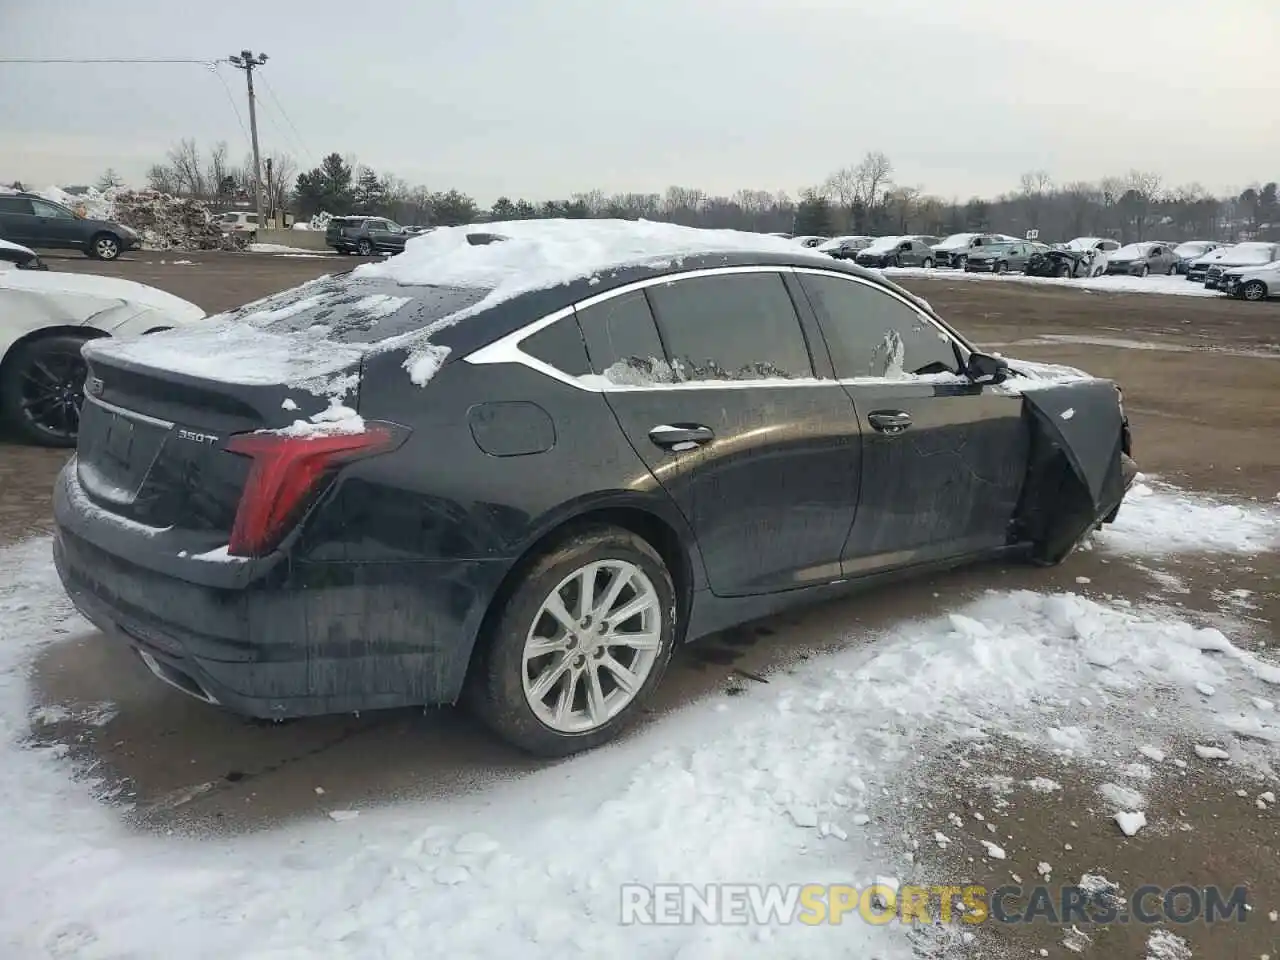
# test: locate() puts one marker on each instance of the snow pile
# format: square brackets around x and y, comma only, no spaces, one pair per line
[281,248]
[92,203]
[783,784]
[320,221]
[172,223]
[1159,519]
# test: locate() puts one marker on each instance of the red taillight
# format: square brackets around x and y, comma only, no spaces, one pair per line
[286,471]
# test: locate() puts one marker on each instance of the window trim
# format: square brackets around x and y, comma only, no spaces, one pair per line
[506,349]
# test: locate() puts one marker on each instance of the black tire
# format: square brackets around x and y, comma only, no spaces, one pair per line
[1002,267]
[1062,271]
[892,261]
[961,263]
[42,389]
[1146,269]
[103,246]
[496,688]
[364,248]
[1254,290]
[927,263]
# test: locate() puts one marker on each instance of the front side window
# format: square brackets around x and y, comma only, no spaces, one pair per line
[734,327]
[873,334]
[46,209]
[622,341]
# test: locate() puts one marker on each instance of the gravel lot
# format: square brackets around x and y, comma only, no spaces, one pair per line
[1201,380]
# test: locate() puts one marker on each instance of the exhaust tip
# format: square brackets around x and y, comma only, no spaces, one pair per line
[177,678]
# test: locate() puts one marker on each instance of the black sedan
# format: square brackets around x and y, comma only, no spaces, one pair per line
[456,479]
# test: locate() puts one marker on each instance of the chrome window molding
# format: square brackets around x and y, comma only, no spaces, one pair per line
[129,414]
[507,349]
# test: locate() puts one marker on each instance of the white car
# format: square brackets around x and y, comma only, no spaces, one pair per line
[953,251]
[45,318]
[16,256]
[1252,283]
[1098,250]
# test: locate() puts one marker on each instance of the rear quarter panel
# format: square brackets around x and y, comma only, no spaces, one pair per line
[441,497]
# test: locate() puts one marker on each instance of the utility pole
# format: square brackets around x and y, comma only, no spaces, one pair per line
[246,61]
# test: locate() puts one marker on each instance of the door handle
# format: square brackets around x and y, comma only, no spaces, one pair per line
[889,421]
[681,436]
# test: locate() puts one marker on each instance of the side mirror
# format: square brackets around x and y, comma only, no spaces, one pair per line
[984,368]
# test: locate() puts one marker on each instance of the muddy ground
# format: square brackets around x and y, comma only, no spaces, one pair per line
[1202,387]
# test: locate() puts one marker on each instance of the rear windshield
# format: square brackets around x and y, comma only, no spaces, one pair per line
[342,309]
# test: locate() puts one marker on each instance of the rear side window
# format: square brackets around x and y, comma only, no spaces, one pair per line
[873,334]
[735,327]
[622,341]
[559,345]
[15,205]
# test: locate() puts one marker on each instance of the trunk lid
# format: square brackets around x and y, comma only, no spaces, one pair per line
[160,409]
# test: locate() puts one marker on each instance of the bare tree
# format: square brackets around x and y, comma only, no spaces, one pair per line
[1035,186]
[188,172]
[160,178]
[875,177]
[217,170]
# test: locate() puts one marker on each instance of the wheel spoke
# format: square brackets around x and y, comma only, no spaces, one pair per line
[547,679]
[637,605]
[627,681]
[635,641]
[620,580]
[541,646]
[595,696]
[564,702]
[555,606]
[587,590]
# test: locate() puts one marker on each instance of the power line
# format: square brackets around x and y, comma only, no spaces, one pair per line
[232,100]
[105,60]
[279,107]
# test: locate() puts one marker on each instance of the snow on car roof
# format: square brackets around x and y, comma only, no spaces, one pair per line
[537,254]
[1133,250]
[521,256]
[883,243]
[107,288]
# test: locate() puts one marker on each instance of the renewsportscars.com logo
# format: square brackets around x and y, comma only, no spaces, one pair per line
[883,903]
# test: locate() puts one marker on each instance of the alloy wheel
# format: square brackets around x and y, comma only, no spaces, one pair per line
[106,248]
[592,646]
[51,391]
[1254,290]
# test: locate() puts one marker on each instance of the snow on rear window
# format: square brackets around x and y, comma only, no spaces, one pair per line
[343,309]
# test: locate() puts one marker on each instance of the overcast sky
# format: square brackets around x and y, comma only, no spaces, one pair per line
[543,98]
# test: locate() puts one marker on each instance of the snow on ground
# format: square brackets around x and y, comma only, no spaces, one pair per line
[1157,518]
[784,783]
[1176,286]
[282,248]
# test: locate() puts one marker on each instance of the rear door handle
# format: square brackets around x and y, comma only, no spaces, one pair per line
[889,421]
[681,436]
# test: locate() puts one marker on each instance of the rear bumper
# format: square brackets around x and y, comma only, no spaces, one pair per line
[293,638]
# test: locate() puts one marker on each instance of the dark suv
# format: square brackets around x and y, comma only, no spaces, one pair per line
[33,221]
[366,235]
[524,491]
